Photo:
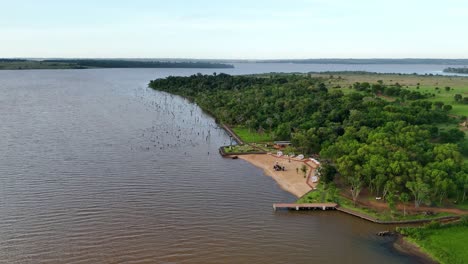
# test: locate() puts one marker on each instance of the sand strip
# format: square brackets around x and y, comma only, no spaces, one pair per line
[291,180]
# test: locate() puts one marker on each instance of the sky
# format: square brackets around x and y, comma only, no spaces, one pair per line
[240,29]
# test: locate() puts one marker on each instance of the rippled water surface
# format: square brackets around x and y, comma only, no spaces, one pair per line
[97,168]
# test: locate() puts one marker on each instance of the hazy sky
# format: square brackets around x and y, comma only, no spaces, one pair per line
[243,29]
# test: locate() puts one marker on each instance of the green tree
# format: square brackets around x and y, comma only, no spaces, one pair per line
[404,198]
[442,187]
[283,132]
[389,187]
[301,142]
[333,193]
[458,97]
[447,108]
[349,168]
[327,172]
[289,150]
[420,191]
[250,125]
[462,185]
[391,201]
[304,170]
[452,135]
[356,183]
[438,104]
[269,122]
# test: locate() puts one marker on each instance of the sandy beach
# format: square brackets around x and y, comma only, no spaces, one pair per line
[290,180]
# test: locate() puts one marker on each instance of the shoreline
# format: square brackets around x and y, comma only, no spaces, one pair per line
[405,246]
[289,180]
[291,184]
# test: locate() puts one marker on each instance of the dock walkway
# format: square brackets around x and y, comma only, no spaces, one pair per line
[334,206]
[305,206]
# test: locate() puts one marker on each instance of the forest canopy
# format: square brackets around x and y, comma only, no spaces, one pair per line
[388,146]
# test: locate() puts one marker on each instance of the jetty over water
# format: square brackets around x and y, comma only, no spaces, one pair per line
[305,206]
[334,206]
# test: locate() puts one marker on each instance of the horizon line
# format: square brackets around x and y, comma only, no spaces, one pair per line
[239,59]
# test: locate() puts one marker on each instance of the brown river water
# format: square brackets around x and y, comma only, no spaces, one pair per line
[97,168]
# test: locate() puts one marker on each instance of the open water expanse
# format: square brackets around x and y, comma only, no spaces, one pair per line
[97,168]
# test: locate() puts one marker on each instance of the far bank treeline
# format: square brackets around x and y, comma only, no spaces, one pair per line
[22,64]
[393,148]
[463,70]
[114,63]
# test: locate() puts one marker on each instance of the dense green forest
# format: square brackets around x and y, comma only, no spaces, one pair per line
[22,64]
[463,70]
[392,147]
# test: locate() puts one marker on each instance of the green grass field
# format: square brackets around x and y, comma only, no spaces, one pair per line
[246,148]
[250,136]
[448,245]
[239,149]
[427,84]
[447,97]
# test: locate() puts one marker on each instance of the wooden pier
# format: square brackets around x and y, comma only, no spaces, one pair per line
[305,206]
[334,206]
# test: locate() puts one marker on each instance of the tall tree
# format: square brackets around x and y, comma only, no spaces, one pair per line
[420,191]
[404,198]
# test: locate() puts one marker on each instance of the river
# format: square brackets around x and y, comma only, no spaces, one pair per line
[97,168]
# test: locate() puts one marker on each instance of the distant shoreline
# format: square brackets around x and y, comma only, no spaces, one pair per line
[371,61]
[410,61]
[23,64]
[463,70]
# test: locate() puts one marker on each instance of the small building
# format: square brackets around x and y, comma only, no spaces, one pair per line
[281,144]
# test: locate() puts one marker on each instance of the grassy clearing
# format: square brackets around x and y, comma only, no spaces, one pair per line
[447,97]
[426,83]
[250,136]
[240,149]
[246,148]
[265,147]
[345,80]
[314,197]
[446,243]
